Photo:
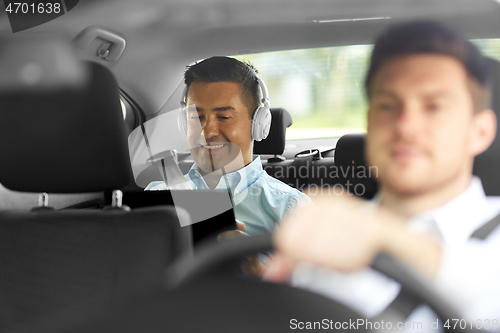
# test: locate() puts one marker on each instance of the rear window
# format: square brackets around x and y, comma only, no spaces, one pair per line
[323,88]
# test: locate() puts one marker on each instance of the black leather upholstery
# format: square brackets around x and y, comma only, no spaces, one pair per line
[221,305]
[274,144]
[50,141]
[487,164]
[208,299]
[350,159]
[68,263]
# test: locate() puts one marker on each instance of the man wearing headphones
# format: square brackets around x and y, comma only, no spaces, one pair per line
[226,112]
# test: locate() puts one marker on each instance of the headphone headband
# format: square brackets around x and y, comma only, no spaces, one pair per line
[265,102]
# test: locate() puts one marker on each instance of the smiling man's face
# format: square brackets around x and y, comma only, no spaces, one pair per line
[420,124]
[225,125]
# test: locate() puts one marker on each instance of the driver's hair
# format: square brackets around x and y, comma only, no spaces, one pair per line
[429,37]
[226,69]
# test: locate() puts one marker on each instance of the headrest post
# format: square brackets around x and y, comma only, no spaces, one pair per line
[117,198]
[43,200]
[276,159]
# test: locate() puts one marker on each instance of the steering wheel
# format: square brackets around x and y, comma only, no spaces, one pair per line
[207,298]
[212,260]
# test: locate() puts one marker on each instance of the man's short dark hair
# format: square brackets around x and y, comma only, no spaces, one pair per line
[429,37]
[225,69]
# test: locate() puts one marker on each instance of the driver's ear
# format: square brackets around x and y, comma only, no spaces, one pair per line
[484,129]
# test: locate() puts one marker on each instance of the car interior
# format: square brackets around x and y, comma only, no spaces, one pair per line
[84,249]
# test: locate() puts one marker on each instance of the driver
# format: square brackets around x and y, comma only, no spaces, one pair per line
[428,117]
[226,94]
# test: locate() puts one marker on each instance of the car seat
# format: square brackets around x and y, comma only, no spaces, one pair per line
[70,138]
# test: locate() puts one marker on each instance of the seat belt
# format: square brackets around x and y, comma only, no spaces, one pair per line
[486,229]
[406,302]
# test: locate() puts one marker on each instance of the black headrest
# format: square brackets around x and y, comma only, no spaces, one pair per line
[275,142]
[64,140]
[350,160]
[487,165]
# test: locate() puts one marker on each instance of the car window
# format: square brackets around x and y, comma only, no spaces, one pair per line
[323,88]
[489,47]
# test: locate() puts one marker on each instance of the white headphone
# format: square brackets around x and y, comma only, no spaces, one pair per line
[261,120]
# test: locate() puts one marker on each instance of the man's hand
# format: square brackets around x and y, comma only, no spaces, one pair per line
[345,234]
[251,266]
[240,231]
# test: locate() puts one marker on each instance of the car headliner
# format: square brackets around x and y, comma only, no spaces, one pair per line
[165,36]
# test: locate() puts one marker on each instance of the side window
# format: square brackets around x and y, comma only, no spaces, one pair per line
[322,88]
[489,47]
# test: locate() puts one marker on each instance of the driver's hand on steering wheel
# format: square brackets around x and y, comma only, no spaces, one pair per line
[251,266]
[240,231]
[345,233]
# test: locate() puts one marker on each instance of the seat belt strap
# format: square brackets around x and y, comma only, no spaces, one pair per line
[403,305]
[405,302]
[486,229]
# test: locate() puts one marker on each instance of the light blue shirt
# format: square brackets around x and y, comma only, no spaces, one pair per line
[260,201]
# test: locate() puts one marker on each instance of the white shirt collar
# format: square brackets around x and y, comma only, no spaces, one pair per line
[237,181]
[456,220]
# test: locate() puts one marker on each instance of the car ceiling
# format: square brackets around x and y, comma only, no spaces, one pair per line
[165,36]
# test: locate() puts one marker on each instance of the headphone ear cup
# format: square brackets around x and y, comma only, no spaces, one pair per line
[261,123]
[266,124]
